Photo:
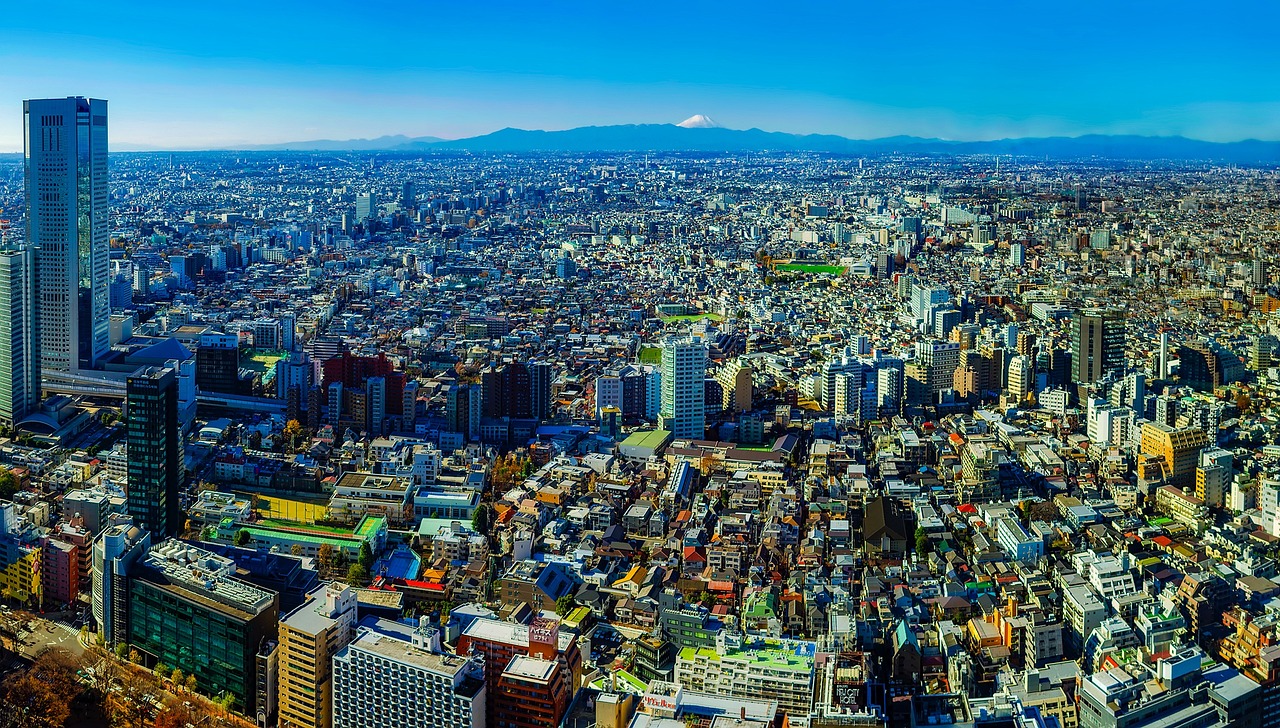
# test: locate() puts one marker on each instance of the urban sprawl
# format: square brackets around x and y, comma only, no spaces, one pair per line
[374,439]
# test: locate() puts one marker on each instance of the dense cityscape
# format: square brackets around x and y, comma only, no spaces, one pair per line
[445,439]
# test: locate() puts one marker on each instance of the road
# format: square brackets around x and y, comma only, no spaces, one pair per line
[36,635]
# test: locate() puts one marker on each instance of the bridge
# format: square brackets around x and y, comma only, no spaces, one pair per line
[114,385]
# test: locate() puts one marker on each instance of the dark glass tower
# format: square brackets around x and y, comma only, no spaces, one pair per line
[155,452]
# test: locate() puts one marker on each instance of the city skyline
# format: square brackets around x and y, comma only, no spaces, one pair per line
[972,73]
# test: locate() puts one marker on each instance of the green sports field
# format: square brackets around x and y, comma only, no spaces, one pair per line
[835,270]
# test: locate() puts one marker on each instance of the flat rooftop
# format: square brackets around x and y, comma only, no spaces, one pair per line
[530,668]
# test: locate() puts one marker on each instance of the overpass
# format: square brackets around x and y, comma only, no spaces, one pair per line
[114,385]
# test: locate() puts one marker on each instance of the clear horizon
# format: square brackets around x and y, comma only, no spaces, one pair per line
[289,72]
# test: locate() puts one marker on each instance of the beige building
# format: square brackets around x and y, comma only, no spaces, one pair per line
[309,638]
[1178,449]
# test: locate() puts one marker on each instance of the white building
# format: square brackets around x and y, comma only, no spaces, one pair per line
[394,676]
[66,148]
[684,373]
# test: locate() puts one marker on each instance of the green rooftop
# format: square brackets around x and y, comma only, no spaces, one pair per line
[772,655]
[647,438]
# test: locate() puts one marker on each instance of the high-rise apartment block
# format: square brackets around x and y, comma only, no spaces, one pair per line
[684,373]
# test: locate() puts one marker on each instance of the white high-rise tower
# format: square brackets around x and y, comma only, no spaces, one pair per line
[66,190]
[684,374]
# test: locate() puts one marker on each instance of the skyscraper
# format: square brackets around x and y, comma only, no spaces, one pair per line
[366,207]
[1099,344]
[19,357]
[66,189]
[541,374]
[684,371]
[155,452]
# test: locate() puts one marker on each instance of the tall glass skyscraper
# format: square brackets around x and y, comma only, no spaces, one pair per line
[155,452]
[66,187]
[19,356]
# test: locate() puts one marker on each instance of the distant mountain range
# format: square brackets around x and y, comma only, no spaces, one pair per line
[700,135]
[397,141]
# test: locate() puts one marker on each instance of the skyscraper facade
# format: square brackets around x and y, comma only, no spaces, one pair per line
[1099,344]
[684,372]
[66,195]
[19,356]
[155,452]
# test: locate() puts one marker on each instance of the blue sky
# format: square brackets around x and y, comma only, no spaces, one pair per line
[236,72]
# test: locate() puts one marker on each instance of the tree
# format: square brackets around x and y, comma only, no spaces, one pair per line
[162,670]
[176,717]
[122,651]
[292,431]
[241,538]
[296,549]
[924,545]
[357,574]
[480,519]
[707,599]
[225,701]
[324,558]
[135,657]
[29,702]
[565,604]
[176,677]
[8,483]
[190,683]
[365,557]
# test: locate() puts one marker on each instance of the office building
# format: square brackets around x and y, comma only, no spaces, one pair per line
[1213,476]
[155,452]
[1017,255]
[19,352]
[366,207]
[1098,344]
[309,638]
[939,360]
[396,676]
[116,549]
[188,610]
[925,300]
[66,196]
[218,365]
[1021,379]
[684,372]
[541,375]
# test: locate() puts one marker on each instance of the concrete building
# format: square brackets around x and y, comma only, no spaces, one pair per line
[684,371]
[19,345]
[309,637]
[188,610]
[1178,449]
[120,545]
[392,675]
[66,188]
[781,670]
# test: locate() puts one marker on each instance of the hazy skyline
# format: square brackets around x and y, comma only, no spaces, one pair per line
[259,73]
